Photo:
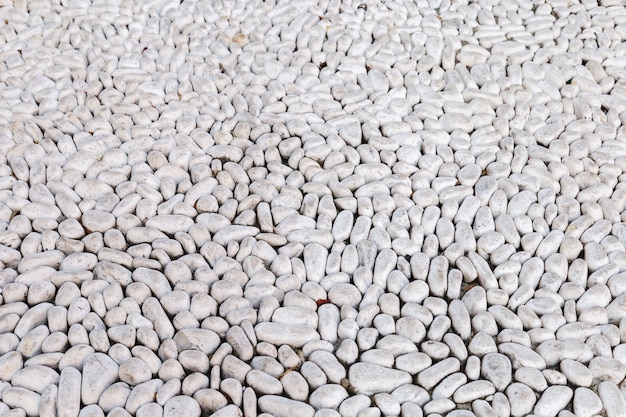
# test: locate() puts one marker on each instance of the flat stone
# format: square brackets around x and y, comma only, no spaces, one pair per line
[607,369]
[473,391]
[17,397]
[586,402]
[35,378]
[234,233]
[181,406]
[284,407]
[263,383]
[68,397]
[521,398]
[99,372]
[496,367]
[576,373]
[328,396]
[553,400]
[170,223]
[285,334]
[97,221]
[369,379]
[521,356]
[612,399]
[431,376]
[203,340]
[10,363]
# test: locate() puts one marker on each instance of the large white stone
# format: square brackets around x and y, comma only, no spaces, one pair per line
[369,378]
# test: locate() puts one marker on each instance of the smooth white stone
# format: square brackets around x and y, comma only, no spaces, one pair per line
[263,383]
[576,373]
[586,402]
[99,372]
[553,400]
[521,398]
[134,371]
[522,356]
[17,397]
[497,369]
[170,223]
[181,406]
[290,334]
[204,340]
[68,397]
[607,369]
[431,376]
[284,407]
[328,396]
[369,379]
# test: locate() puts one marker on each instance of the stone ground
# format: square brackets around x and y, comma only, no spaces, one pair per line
[312,208]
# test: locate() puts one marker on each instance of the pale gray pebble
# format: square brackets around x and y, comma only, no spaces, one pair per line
[280,334]
[612,399]
[353,405]
[554,377]
[143,394]
[473,390]
[69,393]
[191,360]
[328,396]
[181,406]
[431,376]
[150,410]
[497,369]
[92,410]
[576,373]
[553,400]
[210,400]
[47,403]
[195,382]
[16,412]
[134,371]
[532,377]
[521,355]
[233,367]
[607,369]
[18,397]
[97,221]
[99,372]
[170,223]
[521,398]
[438,406]
[387,404]
[114,396]
[447,387]
[460,318]
[472,367]
[284,407]
[263,382]
[230,410]
[118,412]
[295,315]
[411,409]
[295,385]
[586,402]
[10,363]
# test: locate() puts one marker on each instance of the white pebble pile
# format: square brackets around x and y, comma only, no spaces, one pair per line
[312,208]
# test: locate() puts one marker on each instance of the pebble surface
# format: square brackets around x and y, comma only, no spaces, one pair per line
[312,208]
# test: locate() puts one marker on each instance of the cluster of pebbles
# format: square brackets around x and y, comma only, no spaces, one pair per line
[352,208]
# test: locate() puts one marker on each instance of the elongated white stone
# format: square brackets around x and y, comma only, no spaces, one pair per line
[368,379]
[99,372]
[284,407]
[289,334]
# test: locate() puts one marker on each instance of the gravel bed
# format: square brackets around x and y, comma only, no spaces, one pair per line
[332,208]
